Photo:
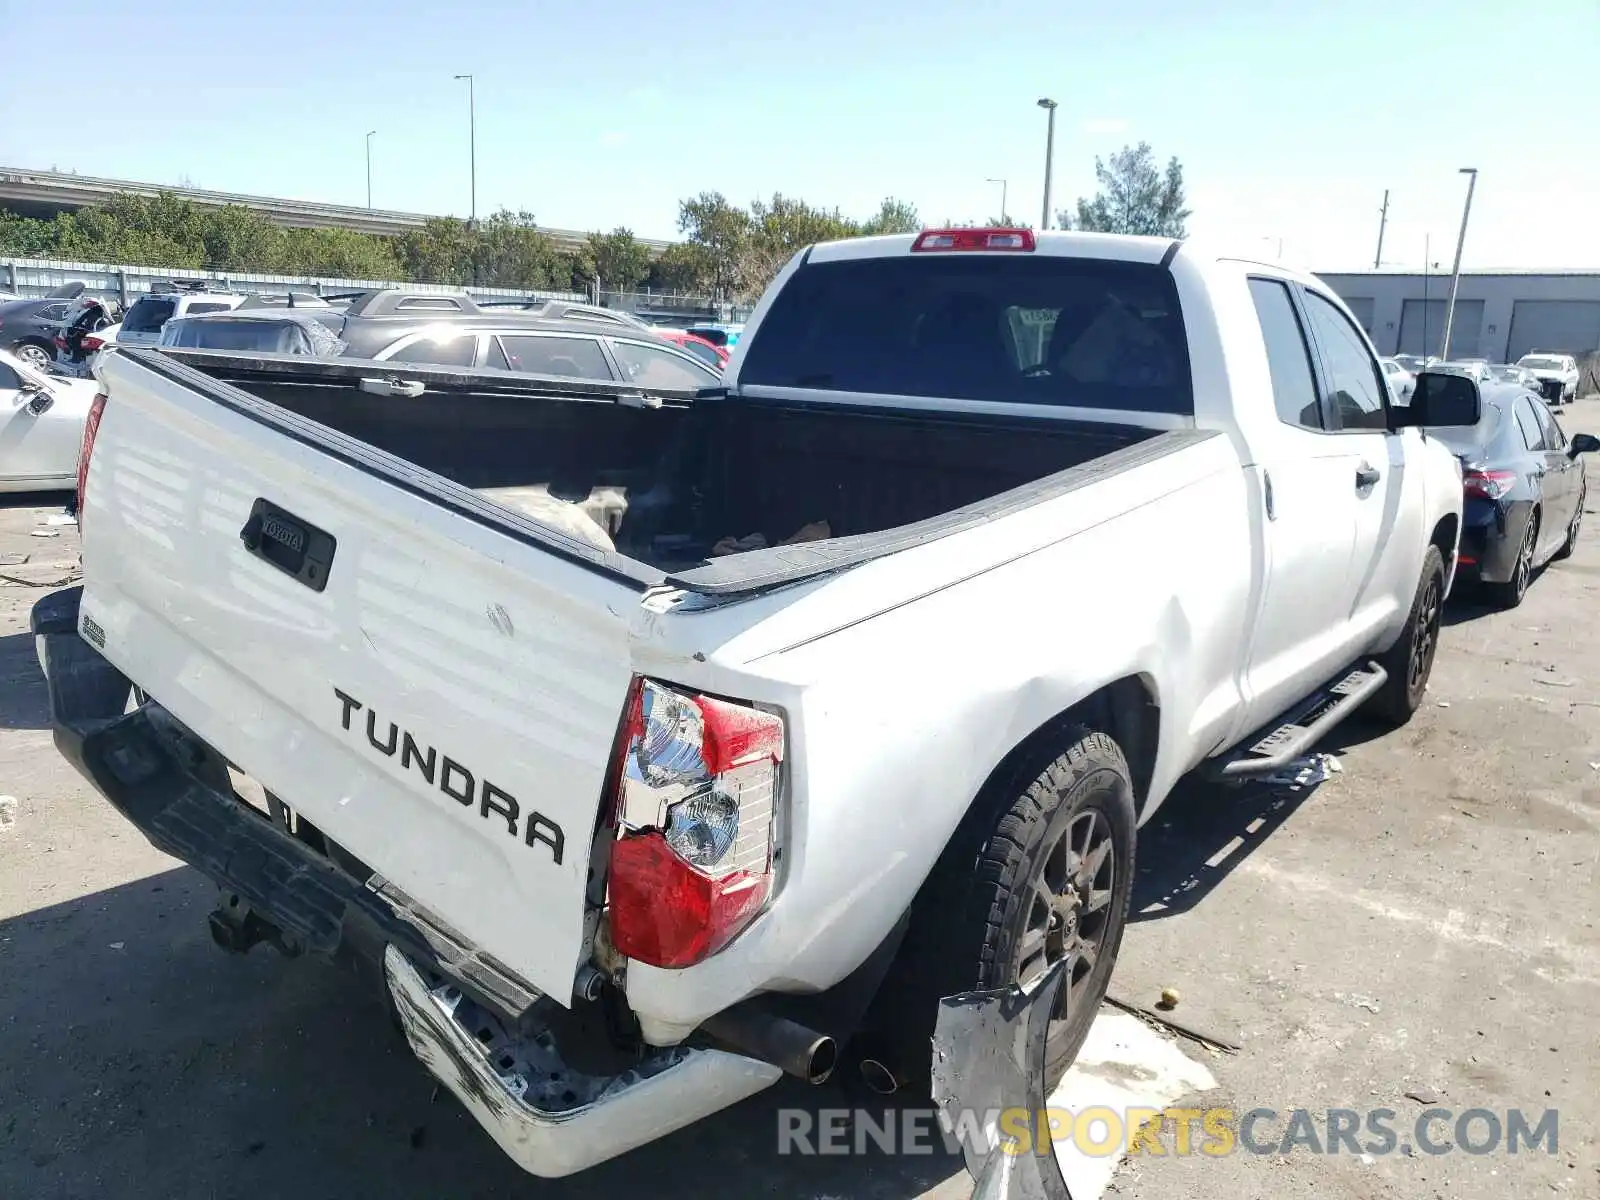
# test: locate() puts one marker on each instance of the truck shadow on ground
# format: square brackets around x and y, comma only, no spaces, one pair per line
[24,699]
[134,1050]
[1202,833]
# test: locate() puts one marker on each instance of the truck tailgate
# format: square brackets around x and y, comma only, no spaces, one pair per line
[443,701]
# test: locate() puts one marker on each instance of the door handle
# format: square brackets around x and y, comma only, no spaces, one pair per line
[1367,475]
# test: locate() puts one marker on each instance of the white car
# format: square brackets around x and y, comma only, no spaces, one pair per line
[146,316]
[41,426]
[1557,375]
[1402,383]
[866,668]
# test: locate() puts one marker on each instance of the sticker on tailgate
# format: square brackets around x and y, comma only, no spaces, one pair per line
[468,788]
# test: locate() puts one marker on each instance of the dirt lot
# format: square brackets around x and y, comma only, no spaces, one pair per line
[1424,922]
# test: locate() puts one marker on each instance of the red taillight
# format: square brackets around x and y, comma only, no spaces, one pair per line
[1488,485]
[973,239]
[91,343]
[696,788]
[667,914]
[61,342]
[91,428]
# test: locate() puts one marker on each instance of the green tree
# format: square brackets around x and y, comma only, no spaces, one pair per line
[510,251]
[341,253]
[1134,197]
[681,267]
[439,252]
[236,238]
[619,258]
[893,216]
[722,232]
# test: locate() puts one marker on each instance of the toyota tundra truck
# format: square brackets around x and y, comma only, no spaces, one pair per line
[646,744]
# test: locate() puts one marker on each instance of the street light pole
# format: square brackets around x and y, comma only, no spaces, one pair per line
[370,132]
[472,145]
[1455,275]
[1005,212]
[1049,154]
[1383,221]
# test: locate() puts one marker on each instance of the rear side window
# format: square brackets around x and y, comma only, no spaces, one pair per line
[1294,389]
[458,351]
[706,354]
[148,314]
[1353,381]
[649,367]
[579,358]
[268,337]
[1554,438]
[1013,328]
[1528,422]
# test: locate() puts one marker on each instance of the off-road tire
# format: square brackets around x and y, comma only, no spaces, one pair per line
[1409,661]
[968,919]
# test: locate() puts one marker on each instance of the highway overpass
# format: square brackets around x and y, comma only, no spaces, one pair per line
[46,193]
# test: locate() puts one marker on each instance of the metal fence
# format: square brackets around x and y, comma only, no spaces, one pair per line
[36,276]
[33,277]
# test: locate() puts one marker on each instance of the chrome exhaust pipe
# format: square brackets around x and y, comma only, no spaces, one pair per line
[878,1077]
[796,1050]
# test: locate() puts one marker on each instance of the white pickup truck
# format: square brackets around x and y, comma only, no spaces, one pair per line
[843,688]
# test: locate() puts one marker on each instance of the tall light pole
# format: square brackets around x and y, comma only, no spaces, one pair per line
[1455,275]
[472,145]
[370,132]
[1049,154]
[1005,213]
[1383,221]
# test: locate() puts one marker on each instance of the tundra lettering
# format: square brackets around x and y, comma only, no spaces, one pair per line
[493,802]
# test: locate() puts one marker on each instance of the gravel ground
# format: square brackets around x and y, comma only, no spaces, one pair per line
[1423,922]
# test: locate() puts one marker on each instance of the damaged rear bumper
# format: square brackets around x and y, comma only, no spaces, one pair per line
[480,1031]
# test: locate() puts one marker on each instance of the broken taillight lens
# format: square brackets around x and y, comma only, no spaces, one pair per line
[693,861]
[91,429]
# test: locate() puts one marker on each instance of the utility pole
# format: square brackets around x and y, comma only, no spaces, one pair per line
[370,132]
[472,146]
[1049,154]
[1461,240]
[1005,213]
[1427,249]
[1383,220]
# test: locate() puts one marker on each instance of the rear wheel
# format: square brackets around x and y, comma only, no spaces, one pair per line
[1409,662]
[35,355]
[1040,873]
[1510,593]
[1571,544]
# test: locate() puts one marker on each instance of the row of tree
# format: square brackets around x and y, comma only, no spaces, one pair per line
[728,251]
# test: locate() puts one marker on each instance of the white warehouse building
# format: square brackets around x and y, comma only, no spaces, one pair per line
[1500,315]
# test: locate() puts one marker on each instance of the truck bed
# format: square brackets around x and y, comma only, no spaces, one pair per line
[789,489]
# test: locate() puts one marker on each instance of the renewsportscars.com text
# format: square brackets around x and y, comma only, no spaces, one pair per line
[1210,1132]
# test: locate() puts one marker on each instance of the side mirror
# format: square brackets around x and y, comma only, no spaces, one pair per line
[1582,443]
[1440,400]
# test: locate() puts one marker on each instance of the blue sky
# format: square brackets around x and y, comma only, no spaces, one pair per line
[1290,118]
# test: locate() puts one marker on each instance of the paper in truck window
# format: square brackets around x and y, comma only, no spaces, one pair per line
[1019,329]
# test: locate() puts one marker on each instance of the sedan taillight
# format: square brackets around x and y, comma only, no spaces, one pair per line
[1488,485]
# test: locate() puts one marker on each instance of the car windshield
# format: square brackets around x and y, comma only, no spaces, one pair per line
[1017,329]
[148,314]
[1540,362]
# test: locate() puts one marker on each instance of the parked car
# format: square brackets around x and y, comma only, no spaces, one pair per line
[1557,375]
[1474,369]
[1401,381]
[79,336]
[685,773]
[41,426]
[561,348]
[707,352]
[719,335]
[142,323]
[1525,488]
[263,330]
[1411,362]
[1517,376]
[28,327]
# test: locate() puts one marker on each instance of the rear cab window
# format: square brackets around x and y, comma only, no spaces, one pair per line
[1017,328]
